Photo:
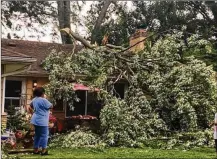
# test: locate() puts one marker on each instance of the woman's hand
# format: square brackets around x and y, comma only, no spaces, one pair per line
[31,111]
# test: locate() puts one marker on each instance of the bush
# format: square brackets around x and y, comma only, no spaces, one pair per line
[16,120]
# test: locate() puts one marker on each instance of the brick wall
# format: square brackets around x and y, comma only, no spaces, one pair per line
[41,81]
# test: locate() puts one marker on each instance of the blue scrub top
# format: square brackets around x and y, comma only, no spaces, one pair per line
[41,108]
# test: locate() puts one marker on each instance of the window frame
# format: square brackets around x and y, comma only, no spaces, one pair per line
[23,91]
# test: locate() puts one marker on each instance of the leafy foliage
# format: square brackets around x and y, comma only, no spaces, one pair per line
[187,140]
[177,82]
[183,140]
[198,18]
[76,139]
[130,121]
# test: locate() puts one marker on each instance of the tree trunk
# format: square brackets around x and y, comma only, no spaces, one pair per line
[100,20]
[64,20]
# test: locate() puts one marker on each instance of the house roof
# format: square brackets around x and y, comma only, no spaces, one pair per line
[13,56]
[33,49]
[9,53]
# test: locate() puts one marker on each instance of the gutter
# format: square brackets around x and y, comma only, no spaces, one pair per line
[17,59]
[24,69]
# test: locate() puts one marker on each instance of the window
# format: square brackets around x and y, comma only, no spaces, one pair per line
[119,90]
[13,90]
[93,106]
[79,107]
[59,105]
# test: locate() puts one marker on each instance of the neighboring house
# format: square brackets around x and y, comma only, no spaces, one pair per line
[22,71]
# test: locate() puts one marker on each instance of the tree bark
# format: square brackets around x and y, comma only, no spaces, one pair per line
[64,20]
[99,20]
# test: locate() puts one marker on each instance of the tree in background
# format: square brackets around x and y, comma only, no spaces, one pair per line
[199,17]
[31,14]
[120,21]
[18,14]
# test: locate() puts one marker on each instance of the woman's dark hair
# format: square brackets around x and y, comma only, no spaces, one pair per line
[38,91]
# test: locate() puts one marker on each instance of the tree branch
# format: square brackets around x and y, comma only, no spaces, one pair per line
[77,37]
[100,20]
[131,71]
[115,47]
[201,9]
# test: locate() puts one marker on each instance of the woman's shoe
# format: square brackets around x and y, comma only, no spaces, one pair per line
[44,153]
[36,153]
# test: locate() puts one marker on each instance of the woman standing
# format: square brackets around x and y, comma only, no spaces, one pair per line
[40,120]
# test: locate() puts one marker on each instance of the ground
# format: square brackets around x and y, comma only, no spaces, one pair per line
[126,153]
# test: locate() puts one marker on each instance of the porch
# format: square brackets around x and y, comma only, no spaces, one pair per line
[18,92]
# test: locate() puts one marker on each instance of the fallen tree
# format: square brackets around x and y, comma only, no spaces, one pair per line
[169,91]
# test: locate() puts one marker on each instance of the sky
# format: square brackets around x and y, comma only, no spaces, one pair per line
[48,29]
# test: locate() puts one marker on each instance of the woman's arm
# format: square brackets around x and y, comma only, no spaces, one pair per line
[31,110]
[50,106]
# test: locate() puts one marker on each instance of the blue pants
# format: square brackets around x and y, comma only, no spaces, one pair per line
[41,136]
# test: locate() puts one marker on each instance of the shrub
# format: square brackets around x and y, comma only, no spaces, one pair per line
[16,120]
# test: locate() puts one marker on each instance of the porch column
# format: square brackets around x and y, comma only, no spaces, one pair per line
[3,95]
[3,114]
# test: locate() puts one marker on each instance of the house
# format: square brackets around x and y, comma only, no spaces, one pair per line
[12,63]
[22,71]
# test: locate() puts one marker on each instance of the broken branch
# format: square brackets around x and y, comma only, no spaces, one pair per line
[77,37]
[115,47]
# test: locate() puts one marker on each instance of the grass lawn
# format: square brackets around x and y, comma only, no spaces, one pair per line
[125,153]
